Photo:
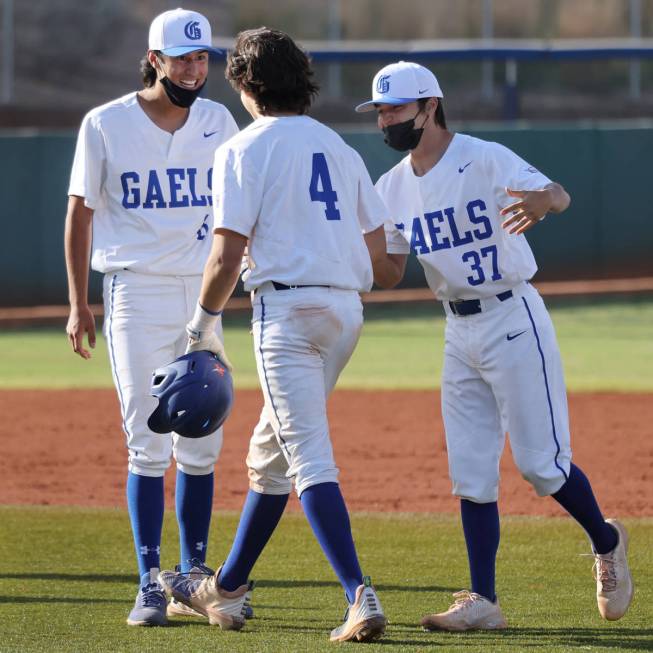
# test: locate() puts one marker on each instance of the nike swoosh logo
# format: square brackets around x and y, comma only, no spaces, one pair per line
[207,134]
[463,168]
[509,337]
[424,91]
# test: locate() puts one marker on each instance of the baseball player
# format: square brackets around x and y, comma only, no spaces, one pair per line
[462,205]
[302,199]
[141,185]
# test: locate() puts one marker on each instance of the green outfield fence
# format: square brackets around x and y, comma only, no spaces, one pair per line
[607,232]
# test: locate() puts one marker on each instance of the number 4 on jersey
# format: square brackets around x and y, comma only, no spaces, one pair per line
[321,177]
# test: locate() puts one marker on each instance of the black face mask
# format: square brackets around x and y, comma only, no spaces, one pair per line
[403,136]
[179,96]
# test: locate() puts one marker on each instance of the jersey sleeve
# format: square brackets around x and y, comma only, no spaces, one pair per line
[372,211]
[88,171]
[512,171]
[395,242]
[237,191]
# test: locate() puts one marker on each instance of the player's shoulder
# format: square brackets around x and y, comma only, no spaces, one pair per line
[489,148]
[491,154]
[397,172]
[113,109]
[210,107]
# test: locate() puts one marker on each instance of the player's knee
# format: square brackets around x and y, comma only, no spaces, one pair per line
[197,456]
[327,475]
[545,479]
[476,489]
[195,470]
[265,482]
[146,467]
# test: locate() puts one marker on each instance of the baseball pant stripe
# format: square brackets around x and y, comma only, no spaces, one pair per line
[548,393]
[113,355]
[267,382]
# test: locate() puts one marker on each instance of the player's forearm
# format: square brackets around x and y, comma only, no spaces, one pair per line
[560,199]
[388,271]
[218,284]
[222,270]
[77,246]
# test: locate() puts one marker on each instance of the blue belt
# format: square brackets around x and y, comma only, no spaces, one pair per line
[472,306]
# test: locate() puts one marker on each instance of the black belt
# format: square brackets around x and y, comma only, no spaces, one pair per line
[283,286]
[472,306]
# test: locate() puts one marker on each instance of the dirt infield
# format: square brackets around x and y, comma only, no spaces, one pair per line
[66,447]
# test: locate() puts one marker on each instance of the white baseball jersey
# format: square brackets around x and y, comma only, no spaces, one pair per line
[450,218]
[303,197]
[150,190]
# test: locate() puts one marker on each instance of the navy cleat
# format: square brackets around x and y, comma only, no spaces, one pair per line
[150,605]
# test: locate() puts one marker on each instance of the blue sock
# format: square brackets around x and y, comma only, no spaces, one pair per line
[327,514]
[260,516]
[482,531]
[145,504]
[577,498]
[193,502]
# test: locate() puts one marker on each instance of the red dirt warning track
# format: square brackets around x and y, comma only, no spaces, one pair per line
[67,448]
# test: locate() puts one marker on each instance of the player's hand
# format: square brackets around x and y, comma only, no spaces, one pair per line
[207,341]
[80,321]
[531,206]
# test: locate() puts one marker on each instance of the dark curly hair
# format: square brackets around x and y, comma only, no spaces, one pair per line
[147,71]
[268,65]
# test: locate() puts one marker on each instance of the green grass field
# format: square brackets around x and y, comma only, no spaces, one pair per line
[605,346]
[67,578]
[67,584]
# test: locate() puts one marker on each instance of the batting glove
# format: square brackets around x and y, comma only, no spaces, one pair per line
[207,341]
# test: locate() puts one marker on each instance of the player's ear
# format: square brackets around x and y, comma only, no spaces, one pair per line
[155,60]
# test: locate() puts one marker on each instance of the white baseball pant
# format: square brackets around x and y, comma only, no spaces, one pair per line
[502,373]
[145,319]
[303,338]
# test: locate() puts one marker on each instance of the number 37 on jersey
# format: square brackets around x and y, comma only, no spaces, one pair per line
[482,260]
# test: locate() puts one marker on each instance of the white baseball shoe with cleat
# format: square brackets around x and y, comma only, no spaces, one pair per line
[364,619]
[221,607]
[470,611]
[614,584]
[198,571]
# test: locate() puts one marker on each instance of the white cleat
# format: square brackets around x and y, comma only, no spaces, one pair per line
[364,620]
[176,608]
[614,584]
[221,607]
[198,572]
[471,611]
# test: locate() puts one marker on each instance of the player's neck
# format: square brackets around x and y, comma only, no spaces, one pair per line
[158,108]
[431,149]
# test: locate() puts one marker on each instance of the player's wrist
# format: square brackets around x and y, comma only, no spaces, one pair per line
[203,321]
[78,306]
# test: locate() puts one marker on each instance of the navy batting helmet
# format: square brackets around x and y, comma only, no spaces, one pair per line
[195,394]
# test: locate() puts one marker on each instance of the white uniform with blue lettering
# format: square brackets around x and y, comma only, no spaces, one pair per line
[303,198]
[502,369]
[150,192]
